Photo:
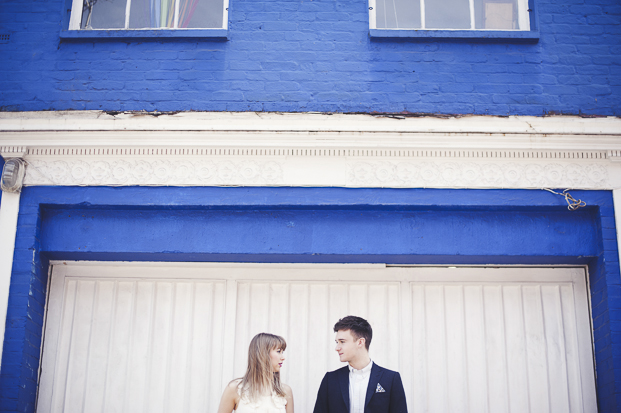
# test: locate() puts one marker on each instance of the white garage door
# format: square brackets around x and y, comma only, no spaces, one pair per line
[135,337]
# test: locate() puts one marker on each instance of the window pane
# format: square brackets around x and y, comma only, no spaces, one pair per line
[447,14]
[496,14]
[206,14]
[203,14]
[152,14]
[397,14]
[103,14]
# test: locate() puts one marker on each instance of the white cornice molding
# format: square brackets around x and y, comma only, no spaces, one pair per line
[314,122]
[308,149]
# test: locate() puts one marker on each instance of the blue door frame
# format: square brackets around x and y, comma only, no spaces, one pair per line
[395,226]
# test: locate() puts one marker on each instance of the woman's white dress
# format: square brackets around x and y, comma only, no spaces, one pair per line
[265,404]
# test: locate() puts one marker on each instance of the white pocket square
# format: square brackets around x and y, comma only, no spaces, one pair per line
[379,389]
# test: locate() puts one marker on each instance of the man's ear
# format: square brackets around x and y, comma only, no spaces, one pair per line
[361,341]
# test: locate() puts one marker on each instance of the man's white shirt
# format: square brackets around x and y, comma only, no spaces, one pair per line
[358,383]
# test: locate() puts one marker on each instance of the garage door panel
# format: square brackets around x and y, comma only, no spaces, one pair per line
[76,368]
[435,322]
[120,341]
[140,341]
[299,297]
[456,347]
[496,347]
[338,298]
[383,304]
[474,320]
[158,348]
[571,346]
[128,338]
[418,377]
[59,338]
[555,348]
[207,339]
[536,347]
[179,366]
[517,374]
[134,346]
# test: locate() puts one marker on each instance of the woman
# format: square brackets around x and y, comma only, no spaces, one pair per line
[260,390]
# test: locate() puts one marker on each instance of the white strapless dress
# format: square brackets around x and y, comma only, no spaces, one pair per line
[264,404]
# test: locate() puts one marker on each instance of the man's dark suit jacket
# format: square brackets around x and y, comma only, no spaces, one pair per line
[333,394]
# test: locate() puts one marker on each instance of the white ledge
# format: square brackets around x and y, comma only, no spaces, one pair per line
[313,149]
[91,129]
[262,121]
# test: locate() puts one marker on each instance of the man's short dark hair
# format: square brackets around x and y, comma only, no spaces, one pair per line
[359,327]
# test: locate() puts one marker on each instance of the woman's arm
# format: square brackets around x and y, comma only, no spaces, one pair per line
[229,399]
[288,397]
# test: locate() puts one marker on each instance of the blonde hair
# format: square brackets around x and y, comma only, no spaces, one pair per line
[260,378]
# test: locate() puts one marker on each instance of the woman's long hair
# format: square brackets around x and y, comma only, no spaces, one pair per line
[259,378]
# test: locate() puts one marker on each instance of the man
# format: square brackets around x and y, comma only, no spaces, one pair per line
[362,386]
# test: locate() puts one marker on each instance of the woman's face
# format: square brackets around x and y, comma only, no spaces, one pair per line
[277,356]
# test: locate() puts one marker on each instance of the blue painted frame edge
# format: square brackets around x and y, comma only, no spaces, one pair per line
[529,36]
[598,265]
[518,36]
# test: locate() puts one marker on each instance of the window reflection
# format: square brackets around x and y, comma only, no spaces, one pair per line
[145,14]
[448,14]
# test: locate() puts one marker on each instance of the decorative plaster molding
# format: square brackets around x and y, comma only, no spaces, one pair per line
[477,175]
[181,172]
[614,156]
[307,149]
[8,152]
[311,151]
[347,172]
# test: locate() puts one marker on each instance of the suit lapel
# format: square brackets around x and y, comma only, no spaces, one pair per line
[344,381]
[376,374]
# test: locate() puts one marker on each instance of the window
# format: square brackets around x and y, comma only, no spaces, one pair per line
[137,15]
[450,15]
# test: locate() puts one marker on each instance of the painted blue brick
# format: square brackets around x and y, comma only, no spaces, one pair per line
[572,33]
[279,26]
[263,16]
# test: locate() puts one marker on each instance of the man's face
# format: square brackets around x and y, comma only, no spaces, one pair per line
[347,346]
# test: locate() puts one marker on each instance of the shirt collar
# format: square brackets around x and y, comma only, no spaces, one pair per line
[363,370]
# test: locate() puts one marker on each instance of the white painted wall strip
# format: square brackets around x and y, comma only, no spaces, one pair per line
[9,210]
[289,122]
[616,199]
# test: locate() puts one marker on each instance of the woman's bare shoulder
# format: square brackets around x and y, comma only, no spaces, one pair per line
[234,384]
[287,388]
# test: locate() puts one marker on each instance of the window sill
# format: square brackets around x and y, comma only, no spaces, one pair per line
[144,33]
[510,35]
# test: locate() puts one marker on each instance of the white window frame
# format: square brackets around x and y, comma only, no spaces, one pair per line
[77,10]
[523,18]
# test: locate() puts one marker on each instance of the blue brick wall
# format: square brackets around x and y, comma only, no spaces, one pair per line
[24,321]
[316,55]
[51,225]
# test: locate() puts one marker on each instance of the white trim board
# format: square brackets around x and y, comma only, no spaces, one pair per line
[409,308]
[309,149]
